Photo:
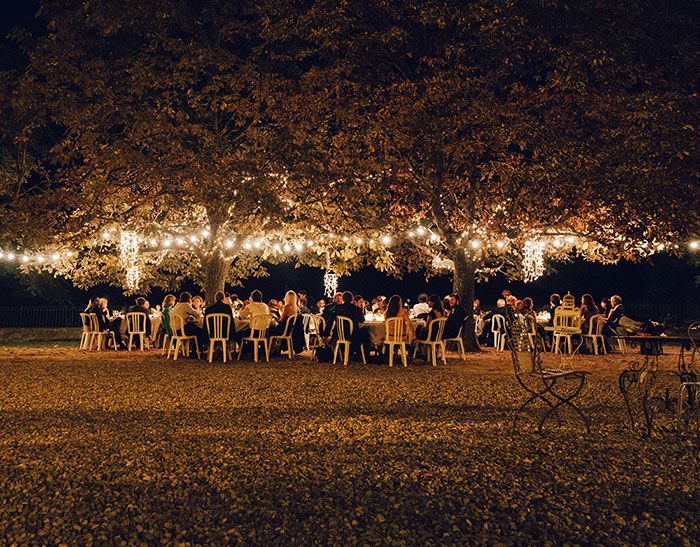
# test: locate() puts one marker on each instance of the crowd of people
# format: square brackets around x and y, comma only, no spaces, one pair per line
[193,310]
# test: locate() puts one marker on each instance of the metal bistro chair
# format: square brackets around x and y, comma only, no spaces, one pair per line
[343,329]
[595,333]
[218,328]
[100,337]
[458,340]
[180,341]
[689,386]
[434,340]
[555,388]
[396,337]
[86,335]
[498,329]
[286,336]
[258,335]
[136,326]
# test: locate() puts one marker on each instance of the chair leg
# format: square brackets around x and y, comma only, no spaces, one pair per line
[461,350]
[266,346]
[290,347]
[404,356]
[178,345]
[346,354]
[442,348]
[335,353]
[255,350]
[415,350]
[210,353]
[391,354]
[224,349]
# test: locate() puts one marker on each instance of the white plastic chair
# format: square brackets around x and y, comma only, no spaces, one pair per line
[343,328]
[136,326]
[180,341]
[498,329]
[98,337]
[567,323]
[258,335]
[317,325]
[86,335]
[595,333]
[218,328]
[457,340]
[396,337]
[286,336]
[434,340]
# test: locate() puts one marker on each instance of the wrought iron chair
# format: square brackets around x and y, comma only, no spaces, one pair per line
[555,388]
[688,404]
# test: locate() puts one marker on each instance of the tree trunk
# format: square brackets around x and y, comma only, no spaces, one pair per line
[463,285]
[215,271]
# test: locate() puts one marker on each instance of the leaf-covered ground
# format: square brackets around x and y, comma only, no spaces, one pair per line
[129,448]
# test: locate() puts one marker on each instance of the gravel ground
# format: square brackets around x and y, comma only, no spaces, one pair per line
[126,448]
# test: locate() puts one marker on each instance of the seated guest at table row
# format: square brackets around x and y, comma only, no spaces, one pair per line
[421,308]
[359,337]
[290,309]
[395,309]
[255,307]
[617,310]
[456,318]
[588,310]
[437,311]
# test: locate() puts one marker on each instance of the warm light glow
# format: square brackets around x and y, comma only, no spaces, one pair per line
[153,242]
[298,247]
[228,244]
[475,244]
[500,244]
[287,248]
[385,240]
[359,241]
[167,243]
[557,243]
[421,231]
[10,256]
[70,254]
[193,238]
[25,258]
[205,233]
[55,256]
[40,258]
[570,240]
[694,245]
[180,241]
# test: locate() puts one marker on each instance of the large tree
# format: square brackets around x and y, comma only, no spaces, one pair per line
[515,128]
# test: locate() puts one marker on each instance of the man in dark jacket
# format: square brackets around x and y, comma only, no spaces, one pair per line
[616,312]
[456,318]
[219,306]
[360,336]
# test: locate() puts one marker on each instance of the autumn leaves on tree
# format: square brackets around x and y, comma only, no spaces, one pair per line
[494,123]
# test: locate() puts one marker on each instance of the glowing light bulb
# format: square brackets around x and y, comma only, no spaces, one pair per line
[167,243]
[10,256]
[570,240]
[40,258]
[193,238]
[277,248]
[25,258]
[557,243]
[105,234]
[205,233]
[247,246]
[694,245]
[257,244]
[500,244]
[359,241]
[70,254]
[345,238]
[2,255]
[434,237]
[421,231]
[385,240]
[55,257]
[180,241]
[298,246]
[660,247]
[287,248]
[411,233]
[475,244]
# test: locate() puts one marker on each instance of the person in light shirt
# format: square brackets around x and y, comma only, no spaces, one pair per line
[422,307]
[255,307]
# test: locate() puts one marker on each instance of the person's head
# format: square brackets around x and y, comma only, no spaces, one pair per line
[358,300]
[95,301]
[555,299]
[338,298]
[102,302]
[197,301]
[185,297]
[454,300]
[169,301]
[141,301]
[505,293]
[615,300]
[146,304]
[587,300]
[477,303]
[422,298]
[303,292]
[347,297]
[511,301]
[234,297]
[527,305]
[435,303]
[303,299]
[256,296]
[393,307]
[290,298]
[605,303]
[219,296]
[321,304]
[500,303]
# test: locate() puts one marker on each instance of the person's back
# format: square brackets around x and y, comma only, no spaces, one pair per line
[140,308]
[352,312]
[455,321]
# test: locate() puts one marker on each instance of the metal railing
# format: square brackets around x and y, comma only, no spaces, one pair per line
[39,316]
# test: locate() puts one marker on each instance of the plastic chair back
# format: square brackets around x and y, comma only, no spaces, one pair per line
[568,302]
[290,322]
[596,324]
[395,330]
[86,320]
[136,322]
[177,324]
[259,325]
[343,328]
[436,329]
[218,325]
[498,323]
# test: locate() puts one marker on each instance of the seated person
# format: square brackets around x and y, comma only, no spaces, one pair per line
[192,319]
[422,308]
[456,319]
[612,323]
[290,308]
[168,303]
[437,311]
[359,337]
[220,306]
[138,307]
[395,309]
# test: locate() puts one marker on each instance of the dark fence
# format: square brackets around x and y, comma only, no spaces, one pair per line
[39,316]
